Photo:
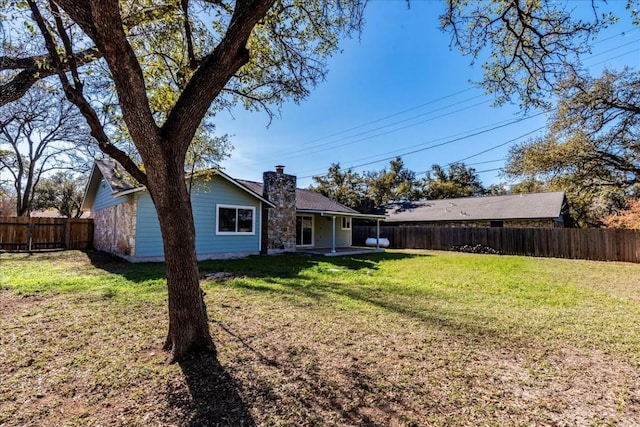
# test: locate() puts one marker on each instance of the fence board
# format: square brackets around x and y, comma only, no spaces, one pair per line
[577,243]
[31,234]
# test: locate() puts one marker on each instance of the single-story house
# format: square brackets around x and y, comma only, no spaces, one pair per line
[516,210]
[232,217]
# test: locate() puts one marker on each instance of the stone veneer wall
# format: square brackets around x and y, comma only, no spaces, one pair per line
[280,189]
[115,229]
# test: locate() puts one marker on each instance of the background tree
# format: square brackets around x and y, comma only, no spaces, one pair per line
[61,191]
[526,47]
[7,202]
[457,181]
[591,146]
[626,218]
[169,71]
[535,58]
[343,186]
[39,134]
[499,189]
[395,184]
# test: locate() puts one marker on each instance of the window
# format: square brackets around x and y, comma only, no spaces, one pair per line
[235,219]
[346,223]
[304,230]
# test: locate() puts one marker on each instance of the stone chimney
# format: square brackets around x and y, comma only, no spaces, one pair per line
[280,189]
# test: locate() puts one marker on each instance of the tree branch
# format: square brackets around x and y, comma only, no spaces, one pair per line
[208,80]
[39,67]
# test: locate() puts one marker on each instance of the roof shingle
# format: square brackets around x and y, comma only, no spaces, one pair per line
[511,207]
[306,200]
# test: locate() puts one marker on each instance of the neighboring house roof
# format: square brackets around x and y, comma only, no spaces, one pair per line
[531,206]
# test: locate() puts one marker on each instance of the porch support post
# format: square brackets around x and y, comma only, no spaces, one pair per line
[377,234]
[333,234]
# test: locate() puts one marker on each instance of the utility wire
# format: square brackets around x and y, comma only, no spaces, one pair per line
[502,144]
[624,33]
[306,153]
[293,153]
[387,117]
[433,140]
[437,145]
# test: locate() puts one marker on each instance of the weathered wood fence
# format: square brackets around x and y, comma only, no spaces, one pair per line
[32,234]
[593,244]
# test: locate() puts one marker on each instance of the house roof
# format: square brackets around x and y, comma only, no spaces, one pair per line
[114,174]
[531,206]
[121,182]
[313,202]
[307,200]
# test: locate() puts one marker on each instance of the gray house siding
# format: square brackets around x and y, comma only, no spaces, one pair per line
[205,197]
[148,236]
[104,197]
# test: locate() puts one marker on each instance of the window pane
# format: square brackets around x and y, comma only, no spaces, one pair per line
[227,219]
[245,220]
[346,223]
[298,230]
[304,230]
[307,236]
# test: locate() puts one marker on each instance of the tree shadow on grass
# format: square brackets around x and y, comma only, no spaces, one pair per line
[287,266]
[134,272]
[211,396]
[258,266]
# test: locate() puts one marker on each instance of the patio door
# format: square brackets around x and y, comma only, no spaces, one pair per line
[304,230]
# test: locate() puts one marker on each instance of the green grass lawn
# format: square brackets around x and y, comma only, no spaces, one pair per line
[405,338]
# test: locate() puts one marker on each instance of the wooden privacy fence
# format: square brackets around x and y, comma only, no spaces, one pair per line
[595,244]
[31,234]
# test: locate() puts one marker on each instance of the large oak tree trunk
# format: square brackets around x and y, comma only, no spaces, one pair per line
[188,324]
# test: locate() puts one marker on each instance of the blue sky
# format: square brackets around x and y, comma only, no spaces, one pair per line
[399,89]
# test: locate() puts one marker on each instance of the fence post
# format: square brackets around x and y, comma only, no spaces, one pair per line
[67,232]
[30,238]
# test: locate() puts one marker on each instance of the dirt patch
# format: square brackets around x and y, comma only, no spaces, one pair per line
[11,304]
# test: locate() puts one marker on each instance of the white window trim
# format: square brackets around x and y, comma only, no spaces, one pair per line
[236,233]
[313,229]
[342,227]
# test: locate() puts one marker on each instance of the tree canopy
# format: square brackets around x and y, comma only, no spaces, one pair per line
[344,186]
[62,191]
[397,183]
[525,47]
[39,134]
[591,146]
[458,180]
[626,218]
